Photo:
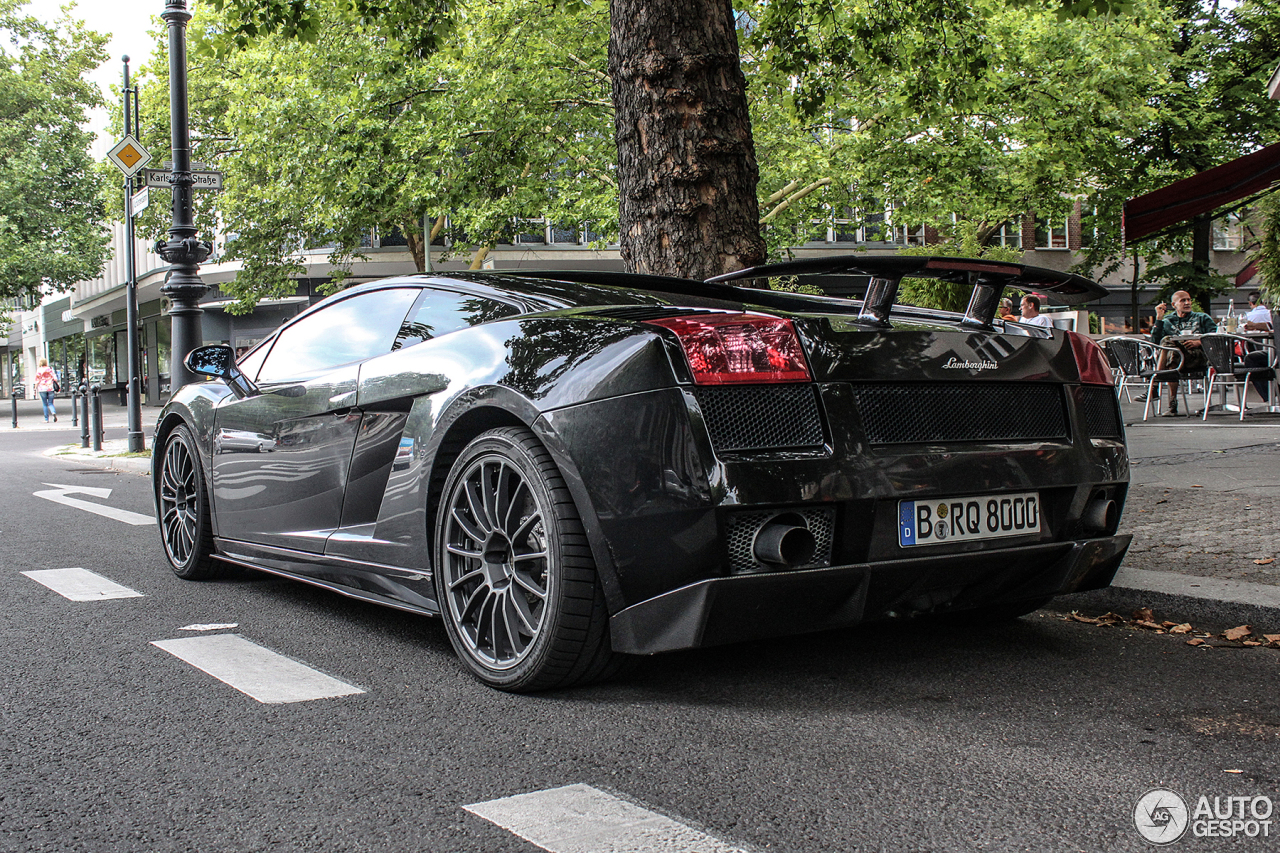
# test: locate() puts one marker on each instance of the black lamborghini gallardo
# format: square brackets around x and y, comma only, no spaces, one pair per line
[573,467]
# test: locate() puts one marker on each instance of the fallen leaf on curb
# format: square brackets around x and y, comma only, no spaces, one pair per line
[1143,614]
[1195,641]
[1272,638]
[1266,562]
[1237,633]
[1254,643]
[1184,628]
[1088,620]
[1142,623]
[1196,486]
[1232,771]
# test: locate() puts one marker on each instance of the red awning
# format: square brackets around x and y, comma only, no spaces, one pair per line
[1202,193]
[1242,277]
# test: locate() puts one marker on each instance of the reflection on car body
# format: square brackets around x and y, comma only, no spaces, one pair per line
[574,467]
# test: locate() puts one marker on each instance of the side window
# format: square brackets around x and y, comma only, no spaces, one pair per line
[356,328]
[443,311]
[252,361]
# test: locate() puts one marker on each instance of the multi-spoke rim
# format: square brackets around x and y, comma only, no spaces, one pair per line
[496,561]
[179,501]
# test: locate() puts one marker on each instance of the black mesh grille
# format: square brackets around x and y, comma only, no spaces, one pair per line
[1101,411]
[743,527]
[902,413]
[761,417]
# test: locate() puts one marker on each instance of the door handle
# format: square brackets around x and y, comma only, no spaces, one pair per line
[345,399]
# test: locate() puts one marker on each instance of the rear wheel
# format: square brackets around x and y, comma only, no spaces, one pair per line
[515,578]
[183,508]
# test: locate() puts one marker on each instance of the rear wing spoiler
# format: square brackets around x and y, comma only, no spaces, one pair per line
[987,278]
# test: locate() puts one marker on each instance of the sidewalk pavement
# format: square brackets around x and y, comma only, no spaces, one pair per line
[1202,507]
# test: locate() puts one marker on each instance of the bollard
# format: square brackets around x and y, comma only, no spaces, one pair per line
[75,406]
[84,415]
[96,407]
[15,408]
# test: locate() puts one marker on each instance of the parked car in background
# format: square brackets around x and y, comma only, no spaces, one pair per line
[573,467]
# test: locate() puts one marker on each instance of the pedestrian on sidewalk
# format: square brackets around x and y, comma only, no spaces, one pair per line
[47,383]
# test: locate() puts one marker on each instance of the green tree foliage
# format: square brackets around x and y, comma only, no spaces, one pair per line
[1269,252]
[1209,106]
[323,139]
[962,241]
[51,215]
[1034,115]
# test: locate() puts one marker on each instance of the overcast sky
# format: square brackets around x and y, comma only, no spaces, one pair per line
[126,22]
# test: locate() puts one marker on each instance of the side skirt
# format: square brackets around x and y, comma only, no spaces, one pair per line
[304,567]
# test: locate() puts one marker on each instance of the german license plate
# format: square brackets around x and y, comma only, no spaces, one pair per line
[933,522]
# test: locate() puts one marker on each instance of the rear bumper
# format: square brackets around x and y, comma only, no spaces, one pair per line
[731,609]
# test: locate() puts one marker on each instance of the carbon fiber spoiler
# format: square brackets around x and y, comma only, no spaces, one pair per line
[987,278]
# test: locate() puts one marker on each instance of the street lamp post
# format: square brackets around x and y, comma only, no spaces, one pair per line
[135,442]
[183,252]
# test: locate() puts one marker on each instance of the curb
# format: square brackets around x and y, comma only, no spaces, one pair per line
[1183,598]
[106,458]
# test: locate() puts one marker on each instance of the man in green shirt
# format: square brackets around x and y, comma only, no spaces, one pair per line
[1183,321]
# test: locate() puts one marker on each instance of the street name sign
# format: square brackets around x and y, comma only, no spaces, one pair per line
[129,156]
[140,200]
[160,179]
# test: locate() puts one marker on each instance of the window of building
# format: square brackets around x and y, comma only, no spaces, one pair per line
[355,328]
[1008,234]
[1228,233]
[1051,234]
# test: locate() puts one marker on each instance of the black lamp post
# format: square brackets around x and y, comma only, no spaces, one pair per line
[183,252]
[135,443]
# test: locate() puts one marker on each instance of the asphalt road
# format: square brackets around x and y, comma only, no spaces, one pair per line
[1037,735]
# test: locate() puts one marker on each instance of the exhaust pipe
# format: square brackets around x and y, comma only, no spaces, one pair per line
[1100,515]
[784,541]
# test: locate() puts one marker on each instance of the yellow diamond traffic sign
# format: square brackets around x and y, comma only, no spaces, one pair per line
[129,156]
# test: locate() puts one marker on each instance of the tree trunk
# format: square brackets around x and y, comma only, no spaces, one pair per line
[1201,240]
[686,161]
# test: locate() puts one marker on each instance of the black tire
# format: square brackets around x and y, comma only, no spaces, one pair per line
[183,508]
[514,575]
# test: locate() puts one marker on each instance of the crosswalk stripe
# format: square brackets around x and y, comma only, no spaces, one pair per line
[254,670]
[81,584]
[582,819]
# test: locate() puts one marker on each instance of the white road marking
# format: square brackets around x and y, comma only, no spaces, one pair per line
[583,819]
[81,584]
[211,626]
[58,494]
[254,670]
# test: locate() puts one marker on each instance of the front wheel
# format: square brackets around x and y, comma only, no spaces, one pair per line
[514,576]
[183,507]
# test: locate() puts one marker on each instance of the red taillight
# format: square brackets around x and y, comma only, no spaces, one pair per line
[1090,359]
[728,349]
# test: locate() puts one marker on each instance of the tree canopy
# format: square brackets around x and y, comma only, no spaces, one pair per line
[332,117]
[51,215]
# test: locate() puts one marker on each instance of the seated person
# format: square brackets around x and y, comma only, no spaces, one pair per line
[1006,309]
[1183,321]
[1031,315]
[1258,318]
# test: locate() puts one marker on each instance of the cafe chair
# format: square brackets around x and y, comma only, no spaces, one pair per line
[1139,360]
[1226,370]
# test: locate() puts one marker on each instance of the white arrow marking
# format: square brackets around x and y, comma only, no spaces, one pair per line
[58,494]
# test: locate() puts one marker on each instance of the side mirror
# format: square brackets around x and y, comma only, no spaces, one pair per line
[219,361]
